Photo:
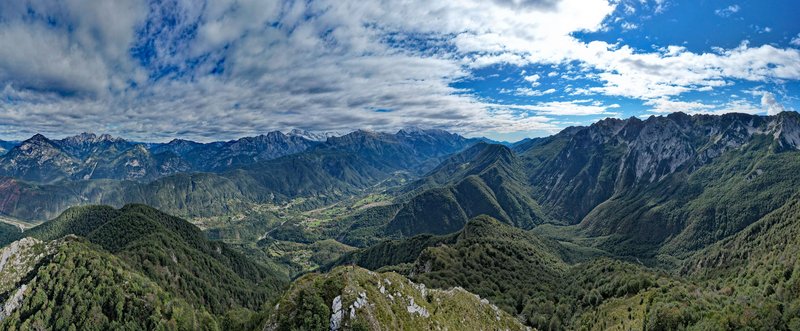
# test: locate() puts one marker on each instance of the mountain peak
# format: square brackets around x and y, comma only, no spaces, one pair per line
[411,130]
[84,136]
[315,136]
[37,137]
[89,137]
[275,133]
[36,140]
[178,141]
[415,130]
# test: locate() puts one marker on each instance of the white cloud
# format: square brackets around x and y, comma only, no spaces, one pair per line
[769,104]
[796,40]
[727,11]
[533,79]
[630,10]
[326,64]
[529,92]
[629,26]
[276,63]
[652,75]
[666,105]
[574,108]
[73,46]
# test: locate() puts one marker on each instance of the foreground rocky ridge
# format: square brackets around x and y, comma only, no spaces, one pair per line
[352,298]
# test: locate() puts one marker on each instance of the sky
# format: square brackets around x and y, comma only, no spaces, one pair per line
[505,69]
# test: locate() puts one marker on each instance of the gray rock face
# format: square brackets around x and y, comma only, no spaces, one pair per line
[314,136]
[338,313]
[592,163]
[786,130]
[662,145]
[38,159]
[659,150]
[17,261]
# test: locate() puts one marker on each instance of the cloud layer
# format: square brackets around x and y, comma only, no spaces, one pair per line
[222,69]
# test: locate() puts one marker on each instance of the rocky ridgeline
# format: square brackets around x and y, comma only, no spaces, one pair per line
[18,262]
[389,301]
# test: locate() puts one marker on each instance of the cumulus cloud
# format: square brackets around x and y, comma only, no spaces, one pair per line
[222,69]
[533,79]
[727,11]
[581,107]
[70,46]
[766,104]
[770,104]
[629,26]
[666,105]
[529,92]
[652,75]
[796,40]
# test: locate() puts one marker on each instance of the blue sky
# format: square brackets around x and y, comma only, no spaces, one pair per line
[506,69]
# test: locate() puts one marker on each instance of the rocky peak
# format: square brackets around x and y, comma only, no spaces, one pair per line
[680,118]
[86,145]
[314,136]
[182,142]
[660,148]
[600,132]
[90,138]
[787,130]
[37,139]
[82,138]
[274,135]
[411,131]
[35,145]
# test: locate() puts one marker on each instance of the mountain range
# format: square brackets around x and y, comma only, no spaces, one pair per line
[642,188]
[666,223]
[323,171]
[89,156]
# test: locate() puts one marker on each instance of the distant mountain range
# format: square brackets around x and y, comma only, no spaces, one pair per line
[88,156]
[5,146]
[44,178]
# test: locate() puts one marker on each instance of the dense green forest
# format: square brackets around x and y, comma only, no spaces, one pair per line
[80,287]
[169,270]
[569,287]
